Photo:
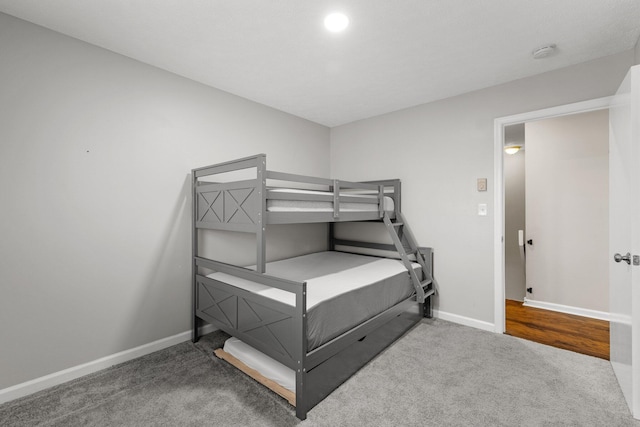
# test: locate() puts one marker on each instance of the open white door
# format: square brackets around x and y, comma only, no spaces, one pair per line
[624,237]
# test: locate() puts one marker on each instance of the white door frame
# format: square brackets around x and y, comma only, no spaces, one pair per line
[498,178]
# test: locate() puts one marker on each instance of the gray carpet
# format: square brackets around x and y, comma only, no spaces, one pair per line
[440,374]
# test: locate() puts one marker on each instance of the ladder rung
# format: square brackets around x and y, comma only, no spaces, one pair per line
[397,224]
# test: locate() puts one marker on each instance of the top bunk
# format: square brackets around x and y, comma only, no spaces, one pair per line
[269,197]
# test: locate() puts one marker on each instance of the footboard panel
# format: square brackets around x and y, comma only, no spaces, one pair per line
[269,326]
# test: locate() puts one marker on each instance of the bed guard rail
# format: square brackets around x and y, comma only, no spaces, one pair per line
[336,187]
[245,273]
[341,191]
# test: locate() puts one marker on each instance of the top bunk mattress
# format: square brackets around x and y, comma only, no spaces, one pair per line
[277,202]
[343,289]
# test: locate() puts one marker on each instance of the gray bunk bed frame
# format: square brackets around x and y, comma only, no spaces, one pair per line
[280,330]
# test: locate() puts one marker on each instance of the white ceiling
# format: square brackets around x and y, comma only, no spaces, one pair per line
[395,54]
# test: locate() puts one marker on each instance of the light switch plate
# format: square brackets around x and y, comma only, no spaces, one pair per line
[482,209]
[482,184]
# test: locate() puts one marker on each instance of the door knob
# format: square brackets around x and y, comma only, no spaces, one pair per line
[626,258]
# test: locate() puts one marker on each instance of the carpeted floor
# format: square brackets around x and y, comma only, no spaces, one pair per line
[440,374]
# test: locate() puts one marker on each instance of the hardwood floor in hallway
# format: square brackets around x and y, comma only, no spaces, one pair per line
[576,333]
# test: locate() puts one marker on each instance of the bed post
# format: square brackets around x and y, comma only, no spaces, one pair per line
[301,353]
[427,305]
[331,241]
[195,320]
[261,185]
[397,191]
[331,231]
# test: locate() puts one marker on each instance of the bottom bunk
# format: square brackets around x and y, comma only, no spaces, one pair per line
[267,371]
[320,317]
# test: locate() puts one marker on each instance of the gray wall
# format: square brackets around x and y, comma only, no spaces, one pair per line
[637,53]
[95,149]
[440,149]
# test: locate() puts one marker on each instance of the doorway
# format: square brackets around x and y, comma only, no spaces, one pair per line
[499,200]
[556,231]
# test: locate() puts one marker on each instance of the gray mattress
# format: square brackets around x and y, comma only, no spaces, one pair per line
[343,289]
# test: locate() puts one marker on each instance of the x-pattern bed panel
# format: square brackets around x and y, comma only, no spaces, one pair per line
[248,317]
[234,206]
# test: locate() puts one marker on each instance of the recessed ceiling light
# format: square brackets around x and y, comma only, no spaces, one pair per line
[336,22]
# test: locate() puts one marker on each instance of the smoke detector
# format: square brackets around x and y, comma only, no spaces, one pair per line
[543,51]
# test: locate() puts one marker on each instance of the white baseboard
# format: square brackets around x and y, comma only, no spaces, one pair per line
[56,378]
[466,321]
[567,309]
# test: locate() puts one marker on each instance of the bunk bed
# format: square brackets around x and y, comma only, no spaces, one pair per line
[321,316]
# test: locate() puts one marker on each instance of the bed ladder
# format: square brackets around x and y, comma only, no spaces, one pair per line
[406,245]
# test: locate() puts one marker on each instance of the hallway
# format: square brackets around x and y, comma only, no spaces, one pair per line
[580,334]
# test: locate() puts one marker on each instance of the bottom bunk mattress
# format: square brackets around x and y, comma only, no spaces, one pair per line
[267,367]
[343,289]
